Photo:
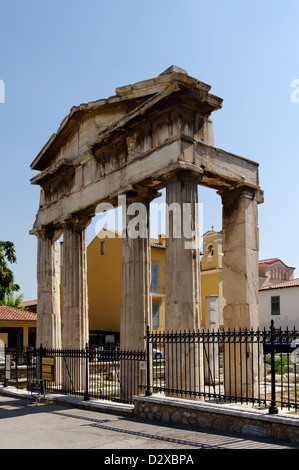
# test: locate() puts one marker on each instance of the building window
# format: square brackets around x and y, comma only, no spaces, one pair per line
[155,277]
[210,249]
[102,248]
[275,305]
[156,313]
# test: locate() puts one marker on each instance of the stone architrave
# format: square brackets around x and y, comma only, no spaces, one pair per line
[240,240]
[48,297]
[182,283]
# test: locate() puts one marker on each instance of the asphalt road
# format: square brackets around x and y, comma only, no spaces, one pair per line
[25,425]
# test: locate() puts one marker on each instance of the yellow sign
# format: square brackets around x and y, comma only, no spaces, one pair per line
[48,365]
[49,377]
[48,361]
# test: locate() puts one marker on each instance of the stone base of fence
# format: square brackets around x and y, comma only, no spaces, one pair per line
[222,417]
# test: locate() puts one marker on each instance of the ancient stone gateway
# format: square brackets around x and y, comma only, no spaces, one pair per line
[151,135]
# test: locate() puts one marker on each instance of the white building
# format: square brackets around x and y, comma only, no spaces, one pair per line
[278,295]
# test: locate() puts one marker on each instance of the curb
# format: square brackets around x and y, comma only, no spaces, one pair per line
[76,402]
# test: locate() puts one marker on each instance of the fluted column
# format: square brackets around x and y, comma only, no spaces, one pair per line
[184,365]
[48,292]
[240,240]
[136,311]
[182,283]
[75,332]
[136,270]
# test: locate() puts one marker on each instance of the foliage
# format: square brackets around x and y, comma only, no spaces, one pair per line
[279,362]
[7,284]
[12,300]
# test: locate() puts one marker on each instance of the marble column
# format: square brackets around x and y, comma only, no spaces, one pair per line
[136,270]
[136,312]
[240,240]
[48,292]
[182,277]
[184,365]
[75,331]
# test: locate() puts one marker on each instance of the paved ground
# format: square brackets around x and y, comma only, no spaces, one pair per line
[25,425]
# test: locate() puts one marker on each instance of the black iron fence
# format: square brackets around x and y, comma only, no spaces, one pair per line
[108,374]
[244,366]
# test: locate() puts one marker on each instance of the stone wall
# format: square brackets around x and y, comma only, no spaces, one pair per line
[243,419]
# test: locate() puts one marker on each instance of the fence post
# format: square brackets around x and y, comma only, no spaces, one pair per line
[86,394]
[5,384]
[27,365]
[40,361]
[273,408]
[148,391]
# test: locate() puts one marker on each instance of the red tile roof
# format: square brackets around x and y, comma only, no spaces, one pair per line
[273,260]
[268,261]
[16,314]
[281,285]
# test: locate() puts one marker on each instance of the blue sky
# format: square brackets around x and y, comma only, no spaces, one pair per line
[57,54]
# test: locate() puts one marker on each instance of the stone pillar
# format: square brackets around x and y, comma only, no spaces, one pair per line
[75,332]
[182,284]
[240,242]
[240,284]
[135,284]
[136,271]
[48,331]
[182,277]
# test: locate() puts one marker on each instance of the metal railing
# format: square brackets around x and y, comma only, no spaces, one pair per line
[116,375]
[243,366]
[100,373]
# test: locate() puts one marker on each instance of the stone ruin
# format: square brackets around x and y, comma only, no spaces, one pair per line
[151,135]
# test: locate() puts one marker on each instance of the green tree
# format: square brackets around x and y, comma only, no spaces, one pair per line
[7,284]
[12,300]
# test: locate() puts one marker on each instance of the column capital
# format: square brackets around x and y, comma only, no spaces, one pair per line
[244,191]
[48,232]
[76,222]
[143,194]
[195,175]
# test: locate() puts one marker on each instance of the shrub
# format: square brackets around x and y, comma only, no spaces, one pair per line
[279,362]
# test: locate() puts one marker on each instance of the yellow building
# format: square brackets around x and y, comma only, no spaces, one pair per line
[211,273]
[104,285]
[17,327]
[157,288]
[104,282]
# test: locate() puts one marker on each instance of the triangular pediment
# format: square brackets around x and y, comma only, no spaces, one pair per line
[101,120]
